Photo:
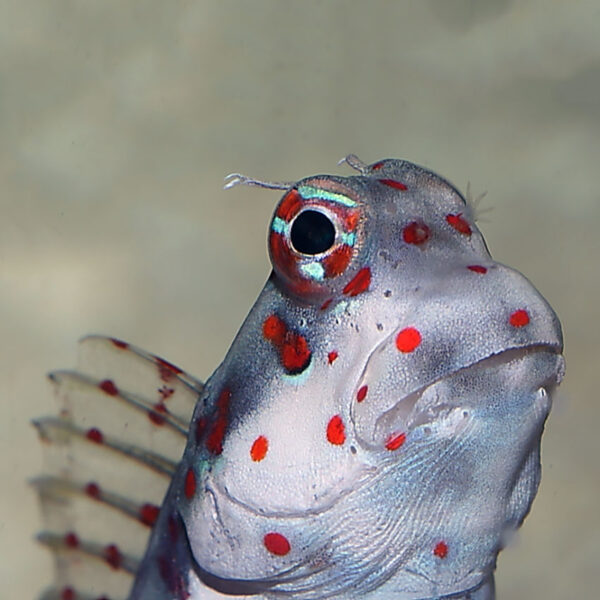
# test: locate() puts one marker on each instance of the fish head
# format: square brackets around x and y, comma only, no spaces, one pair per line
[377,419]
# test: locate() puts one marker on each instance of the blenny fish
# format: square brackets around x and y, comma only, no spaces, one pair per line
[373,431]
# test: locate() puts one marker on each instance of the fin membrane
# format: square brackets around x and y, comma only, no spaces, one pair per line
[109,457]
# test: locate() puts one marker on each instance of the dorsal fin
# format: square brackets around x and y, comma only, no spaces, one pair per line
[109,457]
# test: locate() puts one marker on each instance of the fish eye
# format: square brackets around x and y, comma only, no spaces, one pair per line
[312,233]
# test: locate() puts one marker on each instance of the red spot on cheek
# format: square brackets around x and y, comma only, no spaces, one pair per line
[259,448]
[112,556]
[477,269]
[416,233]
[119,343]
[408,339]
[441,550]
[459,223]
[336,432]
[395,441]
[71,540]
[295,354]
[189,487]
[332,356]
[359,284]
[519,318]
[92,489]
[362,393]
[274,329]
[67,593]
[397,185]
[276,544]
[377,166]
[94,435]
[108,387]
[149,514]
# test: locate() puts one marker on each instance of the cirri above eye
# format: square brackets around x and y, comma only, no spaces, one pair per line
[312,232]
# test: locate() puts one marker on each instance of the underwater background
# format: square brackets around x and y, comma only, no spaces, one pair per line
[120,120]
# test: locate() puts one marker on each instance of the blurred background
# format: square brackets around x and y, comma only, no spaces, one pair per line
[120,120]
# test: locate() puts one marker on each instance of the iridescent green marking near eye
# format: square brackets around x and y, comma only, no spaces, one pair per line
[348,238]
[279,226]
[308,191]
[314,270]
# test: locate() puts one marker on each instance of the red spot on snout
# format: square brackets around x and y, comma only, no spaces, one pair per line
[477,269]
[332,356]
[416,233]
[519,318]
[459,223]
[362,393]
[397,185]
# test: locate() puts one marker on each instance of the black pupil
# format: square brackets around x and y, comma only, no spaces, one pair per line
[312,232]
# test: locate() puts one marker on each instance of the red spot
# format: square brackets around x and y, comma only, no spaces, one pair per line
[459,223]
[282,258]
[362,393]
[274,329]
[408,339]
[119,343]
[351,220]
[201,424]
[166,370]
[108,387]
[112,555]
[377,165]
[441,550]
[149,514]
[336,433]
[67,593]
[190,484]
[519,318]
[397,185]
[259,448]
[416,233]
[71,540]
[157,415]
[92,489]
[95,435]
[331,357]
[337,262]
[359,283]
[326,304]
[214,441]
[395,441]
[276,544]
[477,269]
[166,392]
[295,354]
[289,205]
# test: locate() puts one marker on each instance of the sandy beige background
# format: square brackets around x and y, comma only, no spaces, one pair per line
[120,119]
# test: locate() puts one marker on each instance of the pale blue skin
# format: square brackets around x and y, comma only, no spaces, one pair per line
[363,521]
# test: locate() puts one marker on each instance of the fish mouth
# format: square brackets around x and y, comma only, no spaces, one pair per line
[432,406]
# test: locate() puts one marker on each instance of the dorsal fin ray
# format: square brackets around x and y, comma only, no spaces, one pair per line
[109,457]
